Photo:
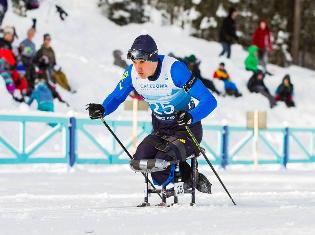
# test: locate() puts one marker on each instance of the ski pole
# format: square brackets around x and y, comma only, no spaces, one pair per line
[126,151]
[207,160]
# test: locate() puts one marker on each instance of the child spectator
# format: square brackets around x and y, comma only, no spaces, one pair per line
[229,86]
[9,57]
[5,74]
[8,81]
[43,96]
[284,92]
[52,87]
[256,84]
[251,61]
[20,82]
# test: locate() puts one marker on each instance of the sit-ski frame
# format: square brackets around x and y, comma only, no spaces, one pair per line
[175,191]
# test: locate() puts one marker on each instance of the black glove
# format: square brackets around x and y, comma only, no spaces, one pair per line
[34,23]
[183,118]
[96,111]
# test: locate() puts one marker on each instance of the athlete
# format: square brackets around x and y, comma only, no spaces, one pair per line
[169,88]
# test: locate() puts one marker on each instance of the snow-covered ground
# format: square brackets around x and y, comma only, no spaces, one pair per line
[36,200]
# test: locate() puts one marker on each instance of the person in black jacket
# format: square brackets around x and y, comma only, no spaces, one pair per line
[256,84]
[284,92]
[227,33]
[45,58]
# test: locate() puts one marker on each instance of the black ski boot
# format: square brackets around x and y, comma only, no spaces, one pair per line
[203,184]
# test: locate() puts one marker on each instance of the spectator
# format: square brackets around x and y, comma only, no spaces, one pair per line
[284,92]
[229,86]
[43,96]
[45,57]
[8,37]
[20,83]
[28,50]
[61,79]
[5,74]
[31,4]
[52,88]
[193,65]
[227,34]
[261,39]
[256,84]
[9,57]
[118,60]
[19,7]
[3,9]
[8,81]
[251,61]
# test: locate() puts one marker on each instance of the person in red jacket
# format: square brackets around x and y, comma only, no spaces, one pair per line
[20,82]
[262,39]
[8,56]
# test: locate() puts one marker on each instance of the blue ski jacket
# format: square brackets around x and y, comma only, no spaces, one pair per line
[164,91]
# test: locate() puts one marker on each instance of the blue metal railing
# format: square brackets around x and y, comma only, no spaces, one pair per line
[232,145]
[23,153]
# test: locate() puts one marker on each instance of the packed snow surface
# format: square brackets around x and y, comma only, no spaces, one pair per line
[36,200]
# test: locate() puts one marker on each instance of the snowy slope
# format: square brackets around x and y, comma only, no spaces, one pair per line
[84,45]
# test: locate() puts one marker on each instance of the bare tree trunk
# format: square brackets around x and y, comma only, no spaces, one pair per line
[296,31]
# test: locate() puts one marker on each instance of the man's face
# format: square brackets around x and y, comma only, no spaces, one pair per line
[260,76]
[144,68]
[47,41]
[30,34]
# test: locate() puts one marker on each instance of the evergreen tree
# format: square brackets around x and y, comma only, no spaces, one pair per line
[203,18]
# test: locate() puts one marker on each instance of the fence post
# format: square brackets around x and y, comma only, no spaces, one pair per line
[72,141]
[224,146]
[285,147]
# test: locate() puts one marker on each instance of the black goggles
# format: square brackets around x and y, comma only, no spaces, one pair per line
[134,54]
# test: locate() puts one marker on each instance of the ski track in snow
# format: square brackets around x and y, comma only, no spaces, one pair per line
[102,200]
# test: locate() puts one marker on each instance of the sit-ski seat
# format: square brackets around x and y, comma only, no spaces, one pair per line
[147,166]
